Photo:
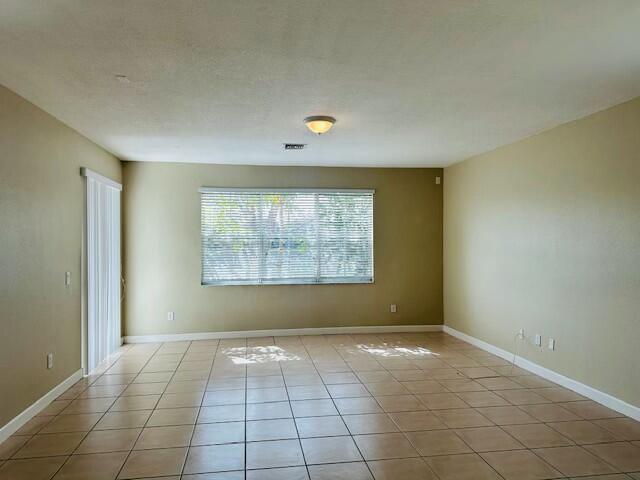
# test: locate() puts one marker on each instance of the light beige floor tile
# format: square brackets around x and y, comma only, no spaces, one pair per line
[507,415]
[313,408]
[97,466]
[50,445]
[462,385]
[346,391]
[164,437]
[354,406]
[279,453]
[284,473]
[154,463]
[574,461]
[280,429]
[522,397]
[590,410]
[400,403]
[129,419]
[488,439]
[186,386]
[520,465]
[583,432]
[463,418]
[102,391]
[31,469]
[386,388]
[173,416]
[533,381]
[330,450]
[268,411]
[180,400]
[221,413]
[439,401]
[424,386]
[308,392]
[437,442]
[55,407]
[559,394]
[382,446]
[72,423]
[499,383]
[158,377]
[549,413]
[11,445]
[412,421]
[402,468]
[483,399]
[370,423]
[263,395]
[537,435]
[34,425]
[269,381]
[215,458]
[99,441]
[144,389]
[135,402]
[89,405]
[218,433]
[462,467]
[623,428]
[310,427]
[622,455]
[337,471]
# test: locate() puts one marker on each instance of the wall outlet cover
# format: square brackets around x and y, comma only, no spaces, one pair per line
[538,340]
[171,316]
[552,344]
[393,307]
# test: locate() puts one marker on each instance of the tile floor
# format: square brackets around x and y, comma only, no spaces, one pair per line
[391,406]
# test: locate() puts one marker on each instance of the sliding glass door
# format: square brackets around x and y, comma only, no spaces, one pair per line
[102,237]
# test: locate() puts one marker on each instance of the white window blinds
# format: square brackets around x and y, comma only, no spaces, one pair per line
[264,236]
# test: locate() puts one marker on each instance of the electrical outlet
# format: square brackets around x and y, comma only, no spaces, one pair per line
[538,340]
[49,361]
[67,279]
[437,180]
[552,344]
[171,316]
[521,334]
[393,307]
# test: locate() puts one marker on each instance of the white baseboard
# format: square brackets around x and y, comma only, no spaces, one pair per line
[39,405]
[584,390]
[284,332]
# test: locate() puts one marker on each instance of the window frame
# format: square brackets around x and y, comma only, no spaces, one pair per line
[293,281]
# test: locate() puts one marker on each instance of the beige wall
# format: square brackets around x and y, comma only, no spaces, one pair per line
[41,214]
[162,259]
[544,235]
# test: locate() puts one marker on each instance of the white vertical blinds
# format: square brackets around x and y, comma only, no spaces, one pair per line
[269,236]
[103,268]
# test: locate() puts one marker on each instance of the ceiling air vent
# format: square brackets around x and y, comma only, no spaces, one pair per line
[294,146]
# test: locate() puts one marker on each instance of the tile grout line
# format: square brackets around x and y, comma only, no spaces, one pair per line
[152,410]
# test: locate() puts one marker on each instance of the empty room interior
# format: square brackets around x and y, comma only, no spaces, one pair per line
[304,240]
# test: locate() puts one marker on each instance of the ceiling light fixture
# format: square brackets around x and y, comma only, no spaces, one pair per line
[319,123]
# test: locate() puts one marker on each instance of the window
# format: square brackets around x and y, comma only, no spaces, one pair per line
[265,236]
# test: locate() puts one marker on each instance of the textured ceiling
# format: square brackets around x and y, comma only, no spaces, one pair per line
[411,82]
